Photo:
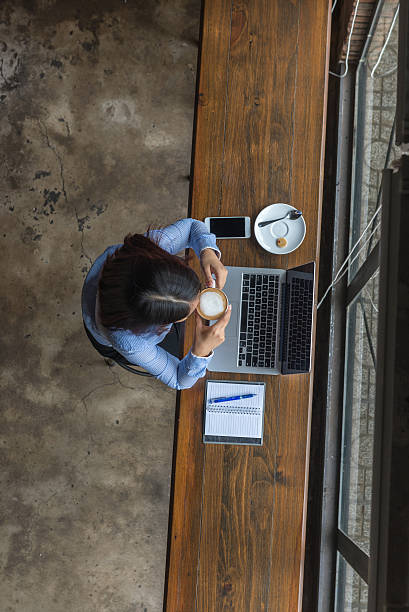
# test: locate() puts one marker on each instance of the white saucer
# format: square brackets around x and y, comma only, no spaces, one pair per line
[293,231]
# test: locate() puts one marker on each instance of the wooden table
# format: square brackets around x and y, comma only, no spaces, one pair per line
[237,517]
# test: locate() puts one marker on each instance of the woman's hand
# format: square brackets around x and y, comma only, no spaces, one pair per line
[211,263]
[208,337]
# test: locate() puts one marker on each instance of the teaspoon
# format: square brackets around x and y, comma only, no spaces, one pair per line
[292,214]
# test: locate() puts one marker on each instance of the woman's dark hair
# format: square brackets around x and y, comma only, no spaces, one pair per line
[142,285]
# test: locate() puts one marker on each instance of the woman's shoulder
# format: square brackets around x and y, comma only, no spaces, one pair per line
[108,251]
[127,341]
[97,265]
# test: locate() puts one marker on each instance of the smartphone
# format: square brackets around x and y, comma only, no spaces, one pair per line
[229,227]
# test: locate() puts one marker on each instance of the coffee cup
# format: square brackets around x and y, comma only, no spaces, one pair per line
[212,304]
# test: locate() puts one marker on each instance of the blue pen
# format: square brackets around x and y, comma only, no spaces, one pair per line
[217,400]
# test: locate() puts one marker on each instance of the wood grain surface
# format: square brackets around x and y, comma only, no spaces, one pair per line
[238,512]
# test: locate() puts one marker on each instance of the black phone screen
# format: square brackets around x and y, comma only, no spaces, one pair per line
[231,227]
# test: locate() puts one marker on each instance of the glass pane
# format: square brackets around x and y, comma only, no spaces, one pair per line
[358,415]
[351,592]
[374,147]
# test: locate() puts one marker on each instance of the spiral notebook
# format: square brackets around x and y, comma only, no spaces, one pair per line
[237,421]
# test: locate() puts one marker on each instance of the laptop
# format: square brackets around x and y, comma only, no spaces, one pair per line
[270,330]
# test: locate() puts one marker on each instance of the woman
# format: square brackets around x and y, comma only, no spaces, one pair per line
[135,291]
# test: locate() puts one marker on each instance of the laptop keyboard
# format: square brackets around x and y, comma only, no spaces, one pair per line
[258,325]
[299,325]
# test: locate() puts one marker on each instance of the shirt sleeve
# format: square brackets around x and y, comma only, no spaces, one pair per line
[185,233]
[174,372]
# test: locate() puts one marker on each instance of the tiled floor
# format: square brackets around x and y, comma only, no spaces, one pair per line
[97,103]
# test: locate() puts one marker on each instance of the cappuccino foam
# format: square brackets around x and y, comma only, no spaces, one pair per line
[211,303]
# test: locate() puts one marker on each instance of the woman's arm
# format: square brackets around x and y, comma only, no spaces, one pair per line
[184,234]
[176,373]
[191,233]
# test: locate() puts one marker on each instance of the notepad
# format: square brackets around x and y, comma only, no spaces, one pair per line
[236,421]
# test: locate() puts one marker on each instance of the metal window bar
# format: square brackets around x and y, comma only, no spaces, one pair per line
[366,271]
[402,108]
[353,555]
[367,331]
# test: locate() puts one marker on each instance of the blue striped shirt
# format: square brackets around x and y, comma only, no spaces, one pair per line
[142,349]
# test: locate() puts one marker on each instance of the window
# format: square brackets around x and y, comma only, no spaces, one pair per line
[350,579]
[373,150]
[376,87]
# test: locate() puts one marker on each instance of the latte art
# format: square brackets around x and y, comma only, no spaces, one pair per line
[212,304]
